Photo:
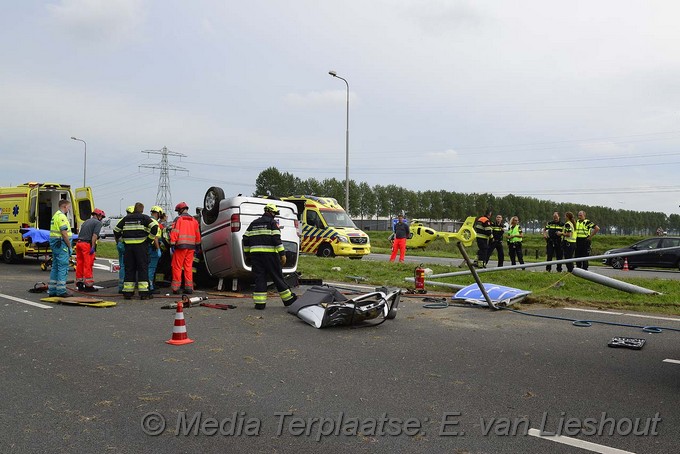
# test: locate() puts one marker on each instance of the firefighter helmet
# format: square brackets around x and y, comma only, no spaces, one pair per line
[271,208]
[99,212]
[130,209]
[180,206]
[157,209]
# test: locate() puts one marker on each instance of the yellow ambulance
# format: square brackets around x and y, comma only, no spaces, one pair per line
[327,230]
[33,205]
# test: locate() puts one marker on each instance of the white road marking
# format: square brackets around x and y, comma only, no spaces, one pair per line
[594,447]
[623,313]
[19,300]
[102,267]
[593,310]
[674,361]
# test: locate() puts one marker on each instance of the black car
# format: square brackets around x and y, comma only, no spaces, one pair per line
[664,259]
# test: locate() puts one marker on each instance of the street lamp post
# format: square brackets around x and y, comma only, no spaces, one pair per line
[85,162]
[120,207]
[334,74]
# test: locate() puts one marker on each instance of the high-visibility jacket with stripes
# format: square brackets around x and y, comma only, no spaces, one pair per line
[569,227]
[482,227]
[514,231]
[263,236]
[59,222]
[497,231]
[552,228]
[583,228]
[185,233]
[135,228]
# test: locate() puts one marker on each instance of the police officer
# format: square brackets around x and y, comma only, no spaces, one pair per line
[482,228]
[85,250]
[552,233]
[569,235]
[155,246]
[136,230]
[515,237]
[497,230]
[585,231]
[262,245]
[60,243]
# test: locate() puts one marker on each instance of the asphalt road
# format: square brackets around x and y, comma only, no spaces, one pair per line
[83,380]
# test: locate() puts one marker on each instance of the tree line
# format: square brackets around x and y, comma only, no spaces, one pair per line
[369,202]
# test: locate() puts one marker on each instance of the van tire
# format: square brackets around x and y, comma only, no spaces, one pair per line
[9,255]
[325,250]
[211,204]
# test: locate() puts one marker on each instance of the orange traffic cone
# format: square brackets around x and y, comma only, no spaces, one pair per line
[179,331]
[625,264]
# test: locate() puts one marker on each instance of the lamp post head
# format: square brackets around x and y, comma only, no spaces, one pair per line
[333,73]
[73,138]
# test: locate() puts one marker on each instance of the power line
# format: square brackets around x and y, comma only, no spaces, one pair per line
[164,195]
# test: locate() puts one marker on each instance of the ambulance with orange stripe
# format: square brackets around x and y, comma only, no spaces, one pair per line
[327,229]
[31,205]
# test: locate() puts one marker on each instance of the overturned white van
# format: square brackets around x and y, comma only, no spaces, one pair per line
[225,220]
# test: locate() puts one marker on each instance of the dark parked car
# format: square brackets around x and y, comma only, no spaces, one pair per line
[664,259]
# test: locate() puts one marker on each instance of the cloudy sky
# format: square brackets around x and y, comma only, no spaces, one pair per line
[568,101]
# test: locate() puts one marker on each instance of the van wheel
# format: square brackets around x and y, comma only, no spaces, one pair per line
[211,204]
[9,255]
[325,250]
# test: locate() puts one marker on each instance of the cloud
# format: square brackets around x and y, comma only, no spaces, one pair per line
[607,148]
[449,155]
[105,21]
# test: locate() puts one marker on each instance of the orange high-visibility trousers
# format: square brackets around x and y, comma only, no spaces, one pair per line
[84,264]
[399,245]
[183,259]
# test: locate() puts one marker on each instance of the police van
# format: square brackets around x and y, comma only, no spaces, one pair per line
[327,229]
[32,205]
[223,222]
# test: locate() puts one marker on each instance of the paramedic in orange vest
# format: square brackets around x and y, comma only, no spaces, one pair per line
[185,236]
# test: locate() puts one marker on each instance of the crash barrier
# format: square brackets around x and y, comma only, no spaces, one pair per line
[553,262]
[324,306]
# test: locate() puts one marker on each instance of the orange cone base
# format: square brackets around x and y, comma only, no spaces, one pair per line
[179,342]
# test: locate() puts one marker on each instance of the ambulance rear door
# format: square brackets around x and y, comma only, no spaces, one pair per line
[83,206]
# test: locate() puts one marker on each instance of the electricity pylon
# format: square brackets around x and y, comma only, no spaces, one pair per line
[164,194]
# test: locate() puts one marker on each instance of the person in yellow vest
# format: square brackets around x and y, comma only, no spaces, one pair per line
[155,246]
[569,236]
[60,243]
[514,237]
[552,234]
[585,231]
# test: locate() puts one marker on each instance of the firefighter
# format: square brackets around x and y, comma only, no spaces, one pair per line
[85,250]
[120,247]
[155,246]
[185,237]
[60,243]
[262,246]
[585,231]
[482,228]
[497,230]
[569,235]
[515,237]
[552,234]
[136,230]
